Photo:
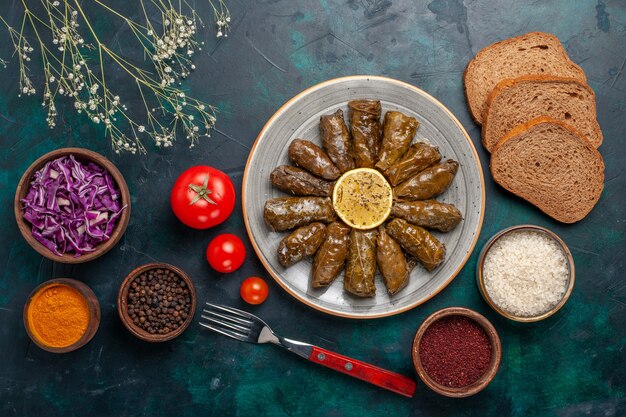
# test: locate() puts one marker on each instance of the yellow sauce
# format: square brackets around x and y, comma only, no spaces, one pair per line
[362,198]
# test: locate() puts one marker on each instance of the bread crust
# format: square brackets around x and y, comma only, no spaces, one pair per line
[509,82]
[476,113]
[520,129]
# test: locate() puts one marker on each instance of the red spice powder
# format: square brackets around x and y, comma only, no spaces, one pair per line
[455,351]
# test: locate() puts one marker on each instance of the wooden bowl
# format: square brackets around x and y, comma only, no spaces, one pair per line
[531,228]
[94,314]
[122,303]
[483,381]
[83,155]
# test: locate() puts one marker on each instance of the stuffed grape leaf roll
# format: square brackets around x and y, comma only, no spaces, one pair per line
[398,132]
[297,181]
[366,131]
[419,157]
[331,257]
[302,242]
[286,213]
[361,267]
[431,214]
[429,183]
[336,140]
[391,262]
[418,242]
[307,155]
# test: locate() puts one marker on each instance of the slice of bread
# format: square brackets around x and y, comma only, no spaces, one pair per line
[516,101]
[535,53]
[548,163]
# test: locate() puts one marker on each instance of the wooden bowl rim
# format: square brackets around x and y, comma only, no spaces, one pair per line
[485,379]
[122,303]
[81,154]
[513,229]
[93,308]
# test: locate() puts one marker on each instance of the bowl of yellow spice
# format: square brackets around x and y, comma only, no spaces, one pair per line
[61,315]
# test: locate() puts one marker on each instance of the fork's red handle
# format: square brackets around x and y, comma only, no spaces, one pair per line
[397,383]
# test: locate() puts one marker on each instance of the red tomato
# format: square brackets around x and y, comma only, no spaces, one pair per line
[226,253]
[202,197]
[254,290]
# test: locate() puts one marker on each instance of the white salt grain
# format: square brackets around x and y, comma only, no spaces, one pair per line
[525,273]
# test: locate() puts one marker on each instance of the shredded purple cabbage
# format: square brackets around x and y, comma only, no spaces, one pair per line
[72,207]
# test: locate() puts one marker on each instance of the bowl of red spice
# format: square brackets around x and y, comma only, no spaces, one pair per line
[456,352]
[72,205]
[157,302]
[61,315]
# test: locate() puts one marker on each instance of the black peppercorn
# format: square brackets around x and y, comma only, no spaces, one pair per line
[159,301]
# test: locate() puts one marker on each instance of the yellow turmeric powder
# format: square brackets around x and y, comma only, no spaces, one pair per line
[58,315]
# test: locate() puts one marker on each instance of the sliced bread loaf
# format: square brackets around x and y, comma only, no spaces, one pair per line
[516,101]
[548,163]
[535,53]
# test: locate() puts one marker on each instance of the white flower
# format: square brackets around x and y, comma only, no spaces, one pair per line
[201,107]
[96,119]
[52,79]
[55,3]
[141,128]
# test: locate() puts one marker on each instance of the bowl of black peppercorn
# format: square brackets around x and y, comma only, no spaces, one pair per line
[157,302]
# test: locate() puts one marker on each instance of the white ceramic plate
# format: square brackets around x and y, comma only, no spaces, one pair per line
[299,118]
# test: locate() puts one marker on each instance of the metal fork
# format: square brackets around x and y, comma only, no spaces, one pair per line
[246,327]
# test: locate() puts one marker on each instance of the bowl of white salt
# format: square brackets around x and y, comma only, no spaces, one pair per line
[525,273]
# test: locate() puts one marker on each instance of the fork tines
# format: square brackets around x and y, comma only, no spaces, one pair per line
[228,321]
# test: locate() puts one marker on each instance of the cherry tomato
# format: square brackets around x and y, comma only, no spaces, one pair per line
[226,253]
[202,197]
[254,290]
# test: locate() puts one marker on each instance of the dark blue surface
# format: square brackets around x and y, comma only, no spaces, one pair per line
[571,364]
